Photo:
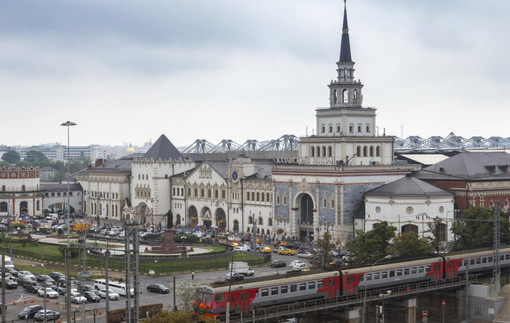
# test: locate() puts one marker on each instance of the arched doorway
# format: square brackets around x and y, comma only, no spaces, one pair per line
[305,217]
[206,218]
[142,213]
[193,217]
[23,207]
[221,220]
[178,220]
[236,226]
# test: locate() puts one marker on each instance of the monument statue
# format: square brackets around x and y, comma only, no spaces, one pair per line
[170,220]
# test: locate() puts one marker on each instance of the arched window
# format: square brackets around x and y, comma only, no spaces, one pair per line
[250,220]
[330,151]
[323,151]
[358,151]
[312,151]
[345,96]
[371,151]
[355,96]
[365,151]
[378,151]
[270,222]
[261,222]
[335,96]
[236,226]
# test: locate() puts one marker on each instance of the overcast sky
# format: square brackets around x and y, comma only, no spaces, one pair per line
[128,70]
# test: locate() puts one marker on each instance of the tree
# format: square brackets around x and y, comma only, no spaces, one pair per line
[435,229]
[37,158]
[12,157]
[476,227]
[188,292]
[410,244]
[324,244]
[370,246]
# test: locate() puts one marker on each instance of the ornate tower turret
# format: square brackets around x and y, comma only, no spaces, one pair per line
[345,91]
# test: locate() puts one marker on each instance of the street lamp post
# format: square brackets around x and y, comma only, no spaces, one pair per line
[388,293]
[365,281]
[107,255]
[45,296]
[68,124]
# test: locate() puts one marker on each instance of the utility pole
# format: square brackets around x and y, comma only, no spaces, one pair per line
[3,288]
[497,239]
[135,276]
[128,272]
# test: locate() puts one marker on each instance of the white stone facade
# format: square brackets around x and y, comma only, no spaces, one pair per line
[20,192]
[408,214]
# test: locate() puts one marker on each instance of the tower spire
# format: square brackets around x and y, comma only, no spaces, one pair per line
[345,49]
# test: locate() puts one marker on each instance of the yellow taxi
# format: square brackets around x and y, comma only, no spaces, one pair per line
[286,251]
[265,249]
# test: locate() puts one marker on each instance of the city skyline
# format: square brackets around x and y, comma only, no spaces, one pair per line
[129,72]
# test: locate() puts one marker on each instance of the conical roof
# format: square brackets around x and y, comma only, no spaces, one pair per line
[163,149]
[345,49]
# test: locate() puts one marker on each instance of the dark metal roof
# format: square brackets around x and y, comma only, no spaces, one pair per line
[163,149]
[470,166]
[57,187]
[408,187]
[345,49]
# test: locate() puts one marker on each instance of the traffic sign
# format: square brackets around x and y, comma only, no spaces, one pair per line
[443,303]
[424,313]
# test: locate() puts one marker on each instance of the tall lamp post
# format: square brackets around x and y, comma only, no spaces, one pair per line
[365,281]
[45,296]
[107,255]
[68,124]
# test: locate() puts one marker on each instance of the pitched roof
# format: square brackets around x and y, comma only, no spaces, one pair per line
[471,166]
[163,149]
[408,187]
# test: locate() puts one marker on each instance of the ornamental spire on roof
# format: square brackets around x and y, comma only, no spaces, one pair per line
[345,49]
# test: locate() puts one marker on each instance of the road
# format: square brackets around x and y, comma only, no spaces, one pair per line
[17,299]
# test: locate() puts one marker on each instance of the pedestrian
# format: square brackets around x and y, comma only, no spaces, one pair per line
[192,275]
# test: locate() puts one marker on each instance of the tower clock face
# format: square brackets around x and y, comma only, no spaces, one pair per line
[235,176]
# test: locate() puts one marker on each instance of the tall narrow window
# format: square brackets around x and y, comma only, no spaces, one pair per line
[335,96]
[345,96]
[355,96]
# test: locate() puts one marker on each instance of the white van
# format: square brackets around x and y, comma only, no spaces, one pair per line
[8,262]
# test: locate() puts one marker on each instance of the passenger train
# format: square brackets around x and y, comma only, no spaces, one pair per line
[294,287]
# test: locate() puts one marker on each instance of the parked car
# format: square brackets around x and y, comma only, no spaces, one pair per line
[50,292]
[78,298]
[31,286]
[29,311]
[11,271]
[234,276]
[50,315]
[112,295]
[158,288]
[26,274]
[9,283]
[41,278]
[57,276]
[278,263]
[305,254]
[85,288]
[92,296]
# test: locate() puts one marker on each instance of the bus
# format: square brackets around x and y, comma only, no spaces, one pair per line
[116,286]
